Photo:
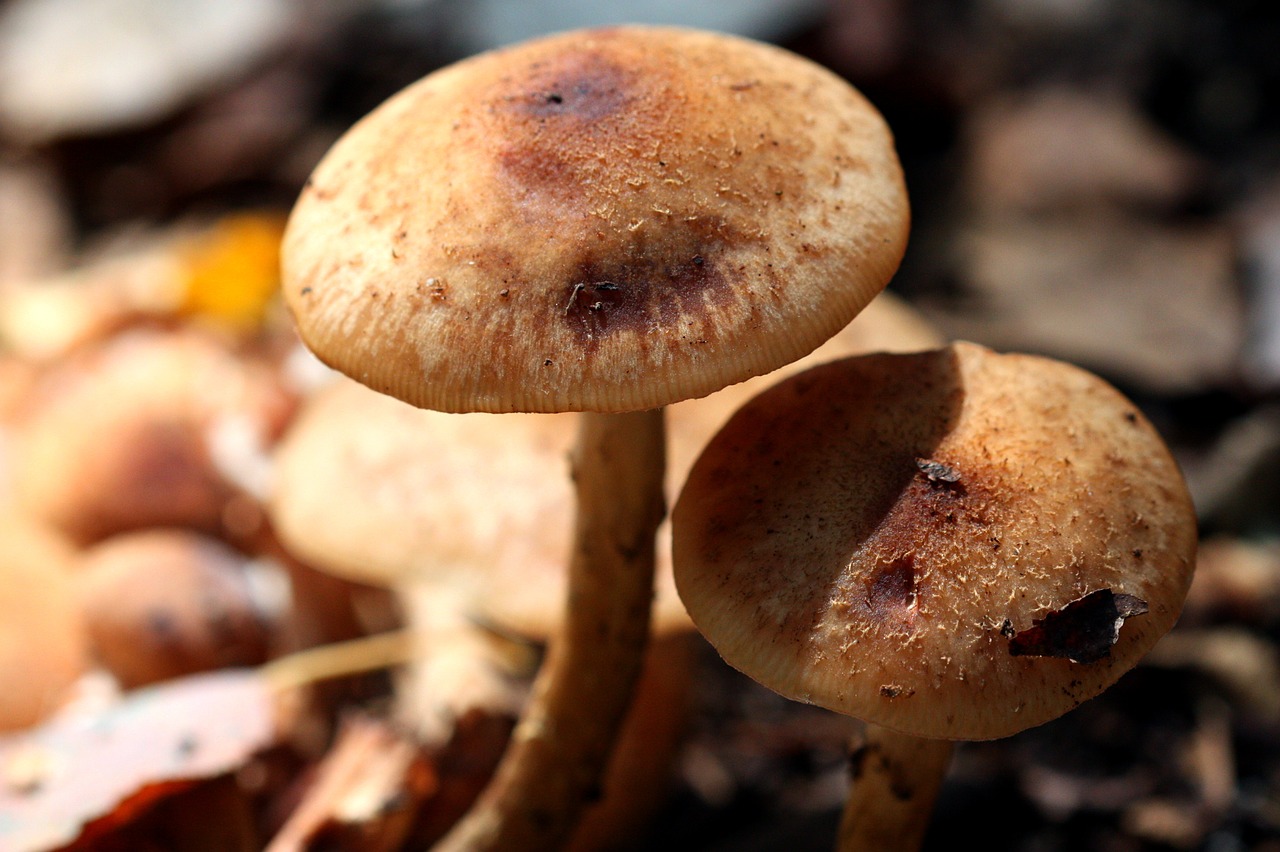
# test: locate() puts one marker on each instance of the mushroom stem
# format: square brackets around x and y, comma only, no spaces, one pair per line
[895,782]
[553,767]
[458,666]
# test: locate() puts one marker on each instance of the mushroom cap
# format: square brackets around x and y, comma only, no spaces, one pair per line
[476,506]
[607,220]
[123,435]
[163,603]
[952,544]
[43,644]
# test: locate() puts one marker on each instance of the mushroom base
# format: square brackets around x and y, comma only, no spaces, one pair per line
[896,778]
[559,749]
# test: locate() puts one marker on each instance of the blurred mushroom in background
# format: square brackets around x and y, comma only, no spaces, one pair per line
[162,603]
[149,428]
[44,646]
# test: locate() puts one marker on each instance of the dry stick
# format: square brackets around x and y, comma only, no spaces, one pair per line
[340,659]
[895,782]
[558,753]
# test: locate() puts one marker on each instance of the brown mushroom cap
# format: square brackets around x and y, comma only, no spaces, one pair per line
[607,220]
[120,437]
[379,492]
[163,603]
[376,491]
[952,544]
[43,644]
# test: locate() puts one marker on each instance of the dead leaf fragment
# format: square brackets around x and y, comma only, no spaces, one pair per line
[366,792]
[936,471]
[84,774]
[1083,631]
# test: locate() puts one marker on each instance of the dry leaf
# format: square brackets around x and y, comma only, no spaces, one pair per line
[81,775]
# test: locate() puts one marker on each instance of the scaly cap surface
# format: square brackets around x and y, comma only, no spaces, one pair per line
[952,544]
[606,220]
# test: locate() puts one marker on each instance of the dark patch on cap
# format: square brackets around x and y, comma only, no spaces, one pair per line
[648,286]
[582,86]
[634,297]
[1083,631]
[573,121]
[891,592]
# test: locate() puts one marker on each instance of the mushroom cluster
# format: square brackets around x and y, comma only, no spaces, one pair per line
[605,222]
[136,413]
[572,281]
[949,545]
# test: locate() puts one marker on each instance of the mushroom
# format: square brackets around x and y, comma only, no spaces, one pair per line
[460,515]
[948,545]
[148,428]
[457,515]
[43,646]
[602,221]
[163,603]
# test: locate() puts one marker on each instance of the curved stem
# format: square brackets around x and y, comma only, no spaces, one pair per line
[553,767]
[895,782]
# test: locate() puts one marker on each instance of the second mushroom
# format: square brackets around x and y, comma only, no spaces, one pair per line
[949,545]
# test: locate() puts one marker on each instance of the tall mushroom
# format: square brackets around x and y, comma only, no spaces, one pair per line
[949,545]
[604,221]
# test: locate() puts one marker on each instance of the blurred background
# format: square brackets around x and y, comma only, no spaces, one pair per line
[1096,180]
